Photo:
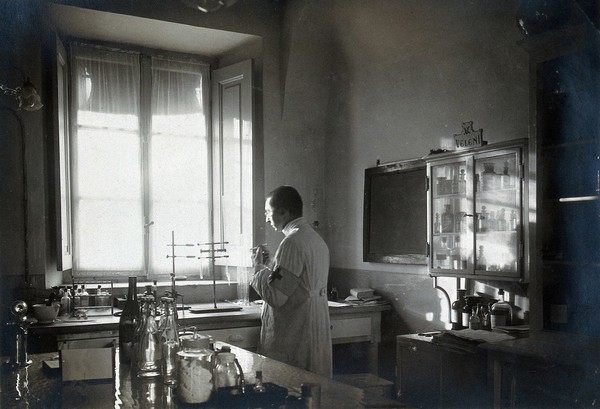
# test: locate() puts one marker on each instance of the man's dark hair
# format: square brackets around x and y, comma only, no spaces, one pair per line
[286,198]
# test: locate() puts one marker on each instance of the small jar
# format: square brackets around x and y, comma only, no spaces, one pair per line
[195,372]
[225,370]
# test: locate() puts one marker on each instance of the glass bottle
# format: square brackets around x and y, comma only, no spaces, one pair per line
[462,183]
[225,370]
[501,221]
[456,309]
[455,254]
[150,354]
[169,338]
[513,220]
[447,219]
[137,335]
[474,321]
[76,296]
[481,261]
[85,297]
[437,226]
[485,322]
[128,321]
[501,313]
[65,303]
[442,255]
[466,312]
[505,177]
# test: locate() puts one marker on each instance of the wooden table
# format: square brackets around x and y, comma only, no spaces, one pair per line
[31,387]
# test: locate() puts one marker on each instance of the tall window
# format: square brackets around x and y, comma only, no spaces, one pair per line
[141,163]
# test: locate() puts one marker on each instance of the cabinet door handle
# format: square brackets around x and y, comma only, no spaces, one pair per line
[467,215]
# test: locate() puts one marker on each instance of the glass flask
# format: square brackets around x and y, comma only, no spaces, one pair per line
[225,370]
[169,339]
[150,354]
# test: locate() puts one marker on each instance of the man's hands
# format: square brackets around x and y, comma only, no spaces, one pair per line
[260,257]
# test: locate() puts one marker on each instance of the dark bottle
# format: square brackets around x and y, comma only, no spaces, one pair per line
[457,307]
[128,322]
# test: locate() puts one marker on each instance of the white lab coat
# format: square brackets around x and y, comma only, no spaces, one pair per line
[295,317]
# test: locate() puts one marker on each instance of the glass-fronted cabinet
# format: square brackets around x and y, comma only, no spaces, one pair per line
[475,212]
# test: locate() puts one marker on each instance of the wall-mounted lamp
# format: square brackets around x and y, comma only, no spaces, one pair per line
[26,94]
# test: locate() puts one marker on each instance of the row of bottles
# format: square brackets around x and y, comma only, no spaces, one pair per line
[450,256]
[490,180]
[454,181]
[466,315]
[486,221]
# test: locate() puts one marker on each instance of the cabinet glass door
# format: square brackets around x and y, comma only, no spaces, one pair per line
[451,227]
[497,214]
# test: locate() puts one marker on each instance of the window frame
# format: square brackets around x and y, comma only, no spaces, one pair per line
[145,119]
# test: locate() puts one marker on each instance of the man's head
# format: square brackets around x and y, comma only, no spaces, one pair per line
[282,205]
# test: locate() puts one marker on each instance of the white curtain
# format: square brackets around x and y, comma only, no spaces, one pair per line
[107,162]
[178,165]
[140,170]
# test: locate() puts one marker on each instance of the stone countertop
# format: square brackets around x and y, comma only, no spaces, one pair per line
[35,387]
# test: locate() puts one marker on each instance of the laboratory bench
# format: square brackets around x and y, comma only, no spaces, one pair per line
[545,369]
[40,386]
[349,324]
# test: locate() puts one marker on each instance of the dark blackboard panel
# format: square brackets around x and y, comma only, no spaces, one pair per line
[395,213]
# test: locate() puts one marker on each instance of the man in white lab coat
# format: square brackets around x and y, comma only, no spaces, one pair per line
[295,317]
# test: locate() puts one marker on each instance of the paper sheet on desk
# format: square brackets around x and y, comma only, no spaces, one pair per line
[336,304]
[478,335]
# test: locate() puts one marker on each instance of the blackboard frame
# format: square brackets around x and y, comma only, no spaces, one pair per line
[395,213]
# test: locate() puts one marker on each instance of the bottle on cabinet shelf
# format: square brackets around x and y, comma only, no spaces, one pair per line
[443,256]
[481,261]
[447,219]
[513,220]
[437,225]
[501,221]
[505,182]
[462,183]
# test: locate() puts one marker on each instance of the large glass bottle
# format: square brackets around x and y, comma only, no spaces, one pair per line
[456,309]
[169,339]
[501,313]
[150,353]
[128,321]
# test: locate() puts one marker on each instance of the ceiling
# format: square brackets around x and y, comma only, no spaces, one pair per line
[111,27]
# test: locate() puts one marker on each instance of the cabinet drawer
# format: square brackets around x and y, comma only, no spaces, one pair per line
[351,327]
[243,337]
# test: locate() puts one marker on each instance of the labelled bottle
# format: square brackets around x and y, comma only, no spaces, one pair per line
[128,321]
[501,313]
